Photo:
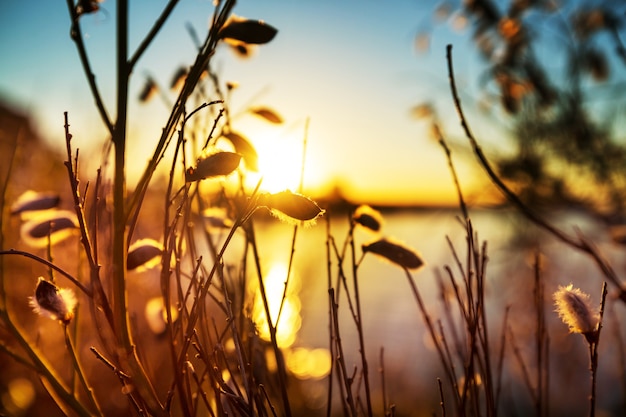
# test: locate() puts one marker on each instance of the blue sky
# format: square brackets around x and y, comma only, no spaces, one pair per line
[349,66]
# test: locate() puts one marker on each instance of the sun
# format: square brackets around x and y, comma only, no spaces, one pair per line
[281,152]
[280,164]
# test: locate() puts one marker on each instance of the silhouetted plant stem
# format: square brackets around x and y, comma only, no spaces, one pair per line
[541,340]
[119,186]
[77,37]
[455,177]
[169,241]
[79,371]
[442,402]
[500,363]
[49,264]
[128,355]
[196,70]
[433,334]
[522,364]
[97,294]
[338,348]
[35,359]
[158,24]
[593,354]
[472,310]
[44,368]
[296,226]
[581,244]
[331,330]
[280,361]
[359,321]
[123,377]
[382,380]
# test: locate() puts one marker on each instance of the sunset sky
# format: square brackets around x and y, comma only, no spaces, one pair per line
[350,67]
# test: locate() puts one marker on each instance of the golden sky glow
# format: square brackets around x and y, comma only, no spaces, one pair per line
[356,82]
[280,149]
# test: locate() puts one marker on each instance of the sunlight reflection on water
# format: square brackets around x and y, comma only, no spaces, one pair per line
[390,314]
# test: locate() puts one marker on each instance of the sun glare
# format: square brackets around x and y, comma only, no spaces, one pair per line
[290,319]
[280,163]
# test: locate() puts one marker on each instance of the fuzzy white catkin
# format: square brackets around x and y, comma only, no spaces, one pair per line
[574,308]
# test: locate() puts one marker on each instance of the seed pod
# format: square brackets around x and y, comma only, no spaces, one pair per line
[179,78]
[245,148]
[574,308]
[214,165]
[394,252]
[143,254]
[149,90]
[267,114]
[35,201]
[57,225]
[87,6]
[368,218]
[248,31]
[293,206]
[50,301]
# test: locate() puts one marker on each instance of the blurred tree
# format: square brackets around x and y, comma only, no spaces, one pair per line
[558,70]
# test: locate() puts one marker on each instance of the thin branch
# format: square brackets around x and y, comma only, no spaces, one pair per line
[79,370]
[382,379]
[581,243]
[191,81]
[593,354]
[158,24]
[86,241]
[75,34]
[441,398]
[44,368]
[359,321]
[448,367]
[280,361]
[455,177]
[296,226]
[340,358]
[49,264]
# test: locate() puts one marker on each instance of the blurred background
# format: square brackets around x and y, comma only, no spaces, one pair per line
[542,84]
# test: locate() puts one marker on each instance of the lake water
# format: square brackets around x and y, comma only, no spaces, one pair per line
[391,318]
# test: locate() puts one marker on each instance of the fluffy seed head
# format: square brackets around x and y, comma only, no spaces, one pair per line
[574,308]
[291,207]
[51,301]
[368,218]
[395,252]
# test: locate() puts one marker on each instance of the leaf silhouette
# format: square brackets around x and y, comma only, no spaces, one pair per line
[142,252]
[295,206]
[247,31]
[217,164]
[596,63]
[179,78]
[242,50]
[245,148]
[87,6]
[394,252]
[34,201]
[55,225]
[267,114]
[368,217]
[149,90]
[46,227]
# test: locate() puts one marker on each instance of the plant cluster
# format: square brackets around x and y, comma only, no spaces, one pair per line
[202,338]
